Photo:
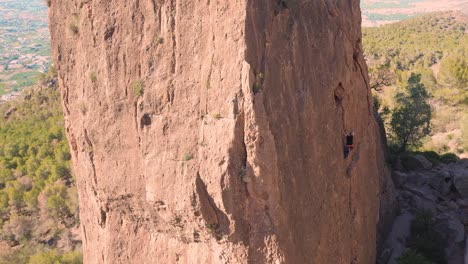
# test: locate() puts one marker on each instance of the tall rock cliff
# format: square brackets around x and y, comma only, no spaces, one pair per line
[212,131]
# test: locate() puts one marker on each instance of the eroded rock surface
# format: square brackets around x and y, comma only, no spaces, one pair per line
[438,191]
[212,132]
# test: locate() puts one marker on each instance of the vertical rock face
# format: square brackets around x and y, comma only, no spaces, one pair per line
[212,132]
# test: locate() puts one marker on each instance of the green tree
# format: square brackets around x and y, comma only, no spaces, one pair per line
[454,70]
[381,77]
[411,119]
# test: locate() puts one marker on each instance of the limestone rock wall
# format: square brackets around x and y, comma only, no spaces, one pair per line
[212,131]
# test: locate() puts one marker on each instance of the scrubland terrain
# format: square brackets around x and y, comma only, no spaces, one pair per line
[379,12]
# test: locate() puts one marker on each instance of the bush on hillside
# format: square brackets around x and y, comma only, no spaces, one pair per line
[449,158]
[54,257]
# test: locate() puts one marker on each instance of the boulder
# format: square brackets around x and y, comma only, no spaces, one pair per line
[442,183]
[423,162]
[449,205]
[442,208]
[445,173]
[405,199]
[417,162]
[421,198]
[451,228]
[463,203]
[420,203]
[453,232]
[399,178]
[423,192]
[462,215]
[460,181]
[396,240]
[452,205]
[416,179]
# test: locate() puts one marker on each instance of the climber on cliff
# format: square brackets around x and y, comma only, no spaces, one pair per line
[349,143]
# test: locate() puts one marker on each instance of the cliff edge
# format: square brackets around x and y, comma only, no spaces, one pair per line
[212,132]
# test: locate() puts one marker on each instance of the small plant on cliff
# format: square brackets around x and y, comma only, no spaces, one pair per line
[137,88]
[177,221]
[93,77]
[83,108]
[73,24]
[290,4]
[258,85]
[159,40]
[188,156]
[211,228]
[48,2]
[257,88]
[411,119]
[217,116]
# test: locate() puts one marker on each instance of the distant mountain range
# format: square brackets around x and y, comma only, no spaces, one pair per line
[378,12]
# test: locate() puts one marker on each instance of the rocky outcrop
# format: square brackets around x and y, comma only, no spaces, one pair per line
[212,132]
[416,162]
[460,178]
[434,191]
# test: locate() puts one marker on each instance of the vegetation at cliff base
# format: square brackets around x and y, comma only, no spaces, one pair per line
[426,245]
[38,199]
[435,47]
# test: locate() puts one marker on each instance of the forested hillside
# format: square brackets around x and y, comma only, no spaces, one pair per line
[38,200]
[436,47]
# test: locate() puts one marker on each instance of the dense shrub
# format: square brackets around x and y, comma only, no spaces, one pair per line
[52,257]
[413,257]
[449,158]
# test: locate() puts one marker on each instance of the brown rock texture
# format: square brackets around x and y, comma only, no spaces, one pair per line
[212,131]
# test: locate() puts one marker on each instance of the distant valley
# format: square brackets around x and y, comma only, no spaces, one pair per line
[379,12]
[24,45]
